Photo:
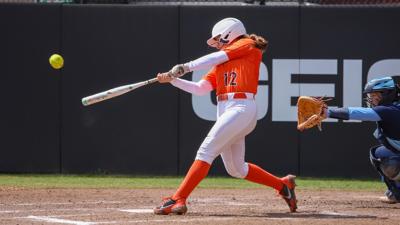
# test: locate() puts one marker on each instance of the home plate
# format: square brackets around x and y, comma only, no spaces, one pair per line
[329,213]
[137,210]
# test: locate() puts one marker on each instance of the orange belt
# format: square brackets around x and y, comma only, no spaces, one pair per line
[224,97]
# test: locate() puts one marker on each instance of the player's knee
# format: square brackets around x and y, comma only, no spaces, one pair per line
[207,152]
[205,156]
[386,162]
[233,173]
[237,172]
[391,167]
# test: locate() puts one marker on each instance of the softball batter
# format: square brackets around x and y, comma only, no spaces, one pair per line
[234,76]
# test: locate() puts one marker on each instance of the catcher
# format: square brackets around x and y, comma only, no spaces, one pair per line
[383,101]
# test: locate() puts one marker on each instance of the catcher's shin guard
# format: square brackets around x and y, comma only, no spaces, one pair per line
[377,163]
[287,192]
[170,206]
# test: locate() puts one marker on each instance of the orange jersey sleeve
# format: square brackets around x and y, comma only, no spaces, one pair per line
[210,77]
[241,72]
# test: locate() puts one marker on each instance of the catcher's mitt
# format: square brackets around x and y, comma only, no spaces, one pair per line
[310,112]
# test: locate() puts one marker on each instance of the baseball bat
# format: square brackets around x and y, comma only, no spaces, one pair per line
[89,100]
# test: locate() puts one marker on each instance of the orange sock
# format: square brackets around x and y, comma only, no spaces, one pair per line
[197,172]
[260,176]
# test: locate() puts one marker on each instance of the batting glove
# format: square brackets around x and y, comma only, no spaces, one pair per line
[179,70]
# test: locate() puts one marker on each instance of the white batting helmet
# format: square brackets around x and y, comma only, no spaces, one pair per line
[225,31]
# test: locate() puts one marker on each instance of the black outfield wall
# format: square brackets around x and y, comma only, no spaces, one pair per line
[156,130]
[109,46]
[30,89]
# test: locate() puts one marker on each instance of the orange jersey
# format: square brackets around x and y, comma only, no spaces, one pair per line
[240,73]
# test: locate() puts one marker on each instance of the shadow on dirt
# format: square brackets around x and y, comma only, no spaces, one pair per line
[396,207]
[320,215]
[299,215]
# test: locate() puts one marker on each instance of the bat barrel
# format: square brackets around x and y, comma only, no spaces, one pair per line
[89,100]
[95,98]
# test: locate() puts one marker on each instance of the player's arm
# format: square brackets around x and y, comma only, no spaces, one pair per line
[207,61]
[353,113]
[201,87]
[204,62]
[236,50]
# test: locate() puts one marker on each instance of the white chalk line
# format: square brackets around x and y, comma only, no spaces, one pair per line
[64,203]
[63,209]
[53,216]
[57,220]
[143,211]
[62,215]
[52,219]
[9,211]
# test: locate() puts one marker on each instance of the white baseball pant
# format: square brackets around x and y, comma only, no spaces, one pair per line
[235,119]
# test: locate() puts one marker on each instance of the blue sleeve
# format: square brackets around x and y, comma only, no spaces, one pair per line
[364,114]
[338,113]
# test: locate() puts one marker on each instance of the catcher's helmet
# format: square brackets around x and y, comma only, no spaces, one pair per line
[225,31]
[388,88]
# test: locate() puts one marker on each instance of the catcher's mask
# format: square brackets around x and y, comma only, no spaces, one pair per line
[388,87]
[225,31]
[389,166]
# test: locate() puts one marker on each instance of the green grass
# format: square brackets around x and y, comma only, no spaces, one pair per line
[112,181]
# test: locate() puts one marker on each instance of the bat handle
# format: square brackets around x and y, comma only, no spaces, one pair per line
[150,81]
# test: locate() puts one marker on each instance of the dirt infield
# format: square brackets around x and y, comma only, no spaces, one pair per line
[221,206]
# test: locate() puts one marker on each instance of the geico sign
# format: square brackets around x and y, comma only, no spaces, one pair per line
[283,89]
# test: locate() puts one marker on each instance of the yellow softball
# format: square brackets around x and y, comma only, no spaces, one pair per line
[56,61]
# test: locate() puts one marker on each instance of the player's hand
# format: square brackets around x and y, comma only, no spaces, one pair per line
[164,77]
[179,70]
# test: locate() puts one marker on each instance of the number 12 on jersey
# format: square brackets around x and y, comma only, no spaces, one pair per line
[230,79]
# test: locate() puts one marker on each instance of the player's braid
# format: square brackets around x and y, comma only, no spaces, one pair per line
[261,43]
